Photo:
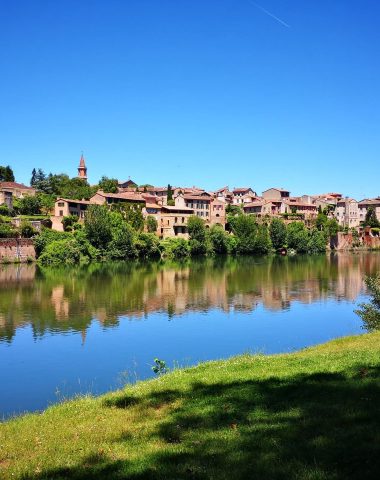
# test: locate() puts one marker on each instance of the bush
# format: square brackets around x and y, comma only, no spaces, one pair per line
[66,251]
[218,239]
[148,245]
[69,221]
[177,248]
[5,211]
[46,237]
[6,231]
[26,229]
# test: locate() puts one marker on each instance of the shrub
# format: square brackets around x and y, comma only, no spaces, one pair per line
[69,221]
[66,251]
[177,248]
[26,229]
[218,239]
[147,245]
[46,237]
[122,244]
[4,210]
[6,231]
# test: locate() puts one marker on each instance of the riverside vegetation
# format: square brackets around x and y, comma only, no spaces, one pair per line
[121,233]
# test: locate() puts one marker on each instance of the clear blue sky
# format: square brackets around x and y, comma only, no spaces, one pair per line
[195,92]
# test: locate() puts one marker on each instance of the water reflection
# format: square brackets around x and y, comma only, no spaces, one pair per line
[68,300]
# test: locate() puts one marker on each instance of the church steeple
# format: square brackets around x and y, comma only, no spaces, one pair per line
[82,169]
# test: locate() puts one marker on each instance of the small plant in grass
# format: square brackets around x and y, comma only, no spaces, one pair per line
[159,367]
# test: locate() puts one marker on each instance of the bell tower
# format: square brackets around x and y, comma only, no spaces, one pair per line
[82,169]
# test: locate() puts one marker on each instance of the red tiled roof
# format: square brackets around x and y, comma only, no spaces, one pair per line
[122,196]
[175,208]
[15,185]
[197,197]
[71,200]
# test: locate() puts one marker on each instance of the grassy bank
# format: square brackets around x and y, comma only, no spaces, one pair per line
[313,414]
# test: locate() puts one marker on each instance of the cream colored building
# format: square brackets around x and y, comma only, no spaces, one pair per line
[11,190]
[363,206]
[347,212]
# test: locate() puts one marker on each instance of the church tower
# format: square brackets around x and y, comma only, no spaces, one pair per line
[82,169]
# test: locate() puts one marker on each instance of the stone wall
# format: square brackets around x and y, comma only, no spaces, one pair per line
[17,250]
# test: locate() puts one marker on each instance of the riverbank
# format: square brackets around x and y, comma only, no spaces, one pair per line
[312,414]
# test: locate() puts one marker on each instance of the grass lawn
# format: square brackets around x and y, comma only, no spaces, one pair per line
[314,414]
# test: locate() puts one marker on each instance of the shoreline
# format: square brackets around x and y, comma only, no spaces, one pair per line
[214,405]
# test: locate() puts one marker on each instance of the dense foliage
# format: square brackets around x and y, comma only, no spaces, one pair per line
[6,174]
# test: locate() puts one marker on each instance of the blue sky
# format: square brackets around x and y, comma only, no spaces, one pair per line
[195,92]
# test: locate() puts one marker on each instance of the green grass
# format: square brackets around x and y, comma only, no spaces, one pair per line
[314,415]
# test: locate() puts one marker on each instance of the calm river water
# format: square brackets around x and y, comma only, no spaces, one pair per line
[91,329]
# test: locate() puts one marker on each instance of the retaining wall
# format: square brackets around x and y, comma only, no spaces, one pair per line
[16,250]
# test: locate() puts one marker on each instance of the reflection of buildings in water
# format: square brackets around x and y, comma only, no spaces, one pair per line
[60,302]
[19,273]
[236,287]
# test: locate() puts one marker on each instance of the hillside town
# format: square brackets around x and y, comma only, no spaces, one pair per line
[171,206]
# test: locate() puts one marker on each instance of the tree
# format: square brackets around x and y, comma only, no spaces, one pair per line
[197,234]
[151,224]
[321,221]
[245,227]
[68,222]
[317,242]
[28,205]
[6,174]
[170,193]
[298,237]
[122,244]
[108,185]
[371,218]
[98,227]
[219,239]
[370,312]
[33,178]
[277,232]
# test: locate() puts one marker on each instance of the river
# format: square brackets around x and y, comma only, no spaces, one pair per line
[90,329]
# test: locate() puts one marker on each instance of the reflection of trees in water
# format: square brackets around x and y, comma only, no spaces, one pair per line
[69,299]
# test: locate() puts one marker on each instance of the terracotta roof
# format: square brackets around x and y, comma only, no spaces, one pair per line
[180,209]
[153,205]
[15,185]
[71,200]
[300,204]
[370,201]
[278,189]
[254,204]
[242,189]
[137,197]
[196,197]
[81,162]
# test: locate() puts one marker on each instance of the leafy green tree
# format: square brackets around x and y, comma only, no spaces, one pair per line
[197,235]
[332,227]
[263,243]
[176,248]
[219,239]
[317,242]
[321,221]
[132,214]
[245,228]
[277,232]
[108,185]
[123,241]
[370,312]
[33,178]
[151,224]
[28,205]
[6,174]
[46,237]
[371,218]
[170,193]
[148,245]
[26,229]
[60,252]
[298,237]
[69,221]
[98,226]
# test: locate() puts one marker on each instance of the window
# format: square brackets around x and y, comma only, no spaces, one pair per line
[61,204]
[61,213]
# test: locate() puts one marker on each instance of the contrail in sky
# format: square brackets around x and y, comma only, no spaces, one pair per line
[270,14]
